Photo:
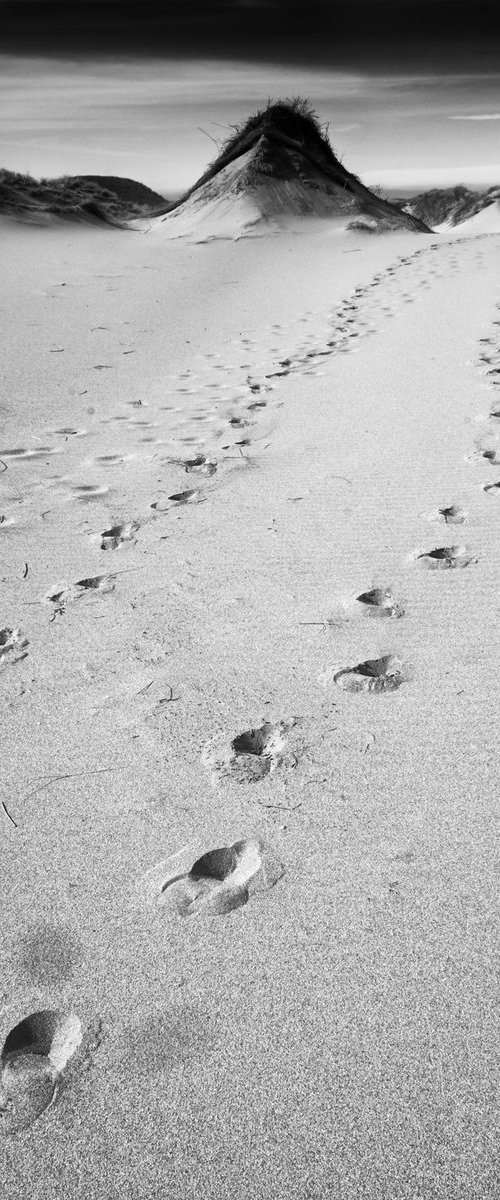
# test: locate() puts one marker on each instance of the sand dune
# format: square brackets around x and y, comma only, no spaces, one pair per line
[248,666]
[486,221]
[279,166]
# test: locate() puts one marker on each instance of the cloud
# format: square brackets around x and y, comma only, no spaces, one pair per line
[476,117]
[420,178]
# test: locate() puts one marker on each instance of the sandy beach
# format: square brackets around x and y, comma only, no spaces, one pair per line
[209,453]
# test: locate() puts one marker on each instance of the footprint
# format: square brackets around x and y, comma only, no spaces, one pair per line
[380,602]
[240,422]
[112,539]
[374,675]
[70,432]
[216,883]
[90,491]
[96,583]
[178,498]
[13,645]
[249,756]
[446,558]
[200,465]
[20,452]
[452,515]
[492,487]
[34,1056]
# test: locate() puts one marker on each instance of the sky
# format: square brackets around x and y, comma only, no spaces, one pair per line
[149,89]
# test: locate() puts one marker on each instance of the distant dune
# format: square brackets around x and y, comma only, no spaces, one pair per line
[448,206]
[279,163]
[127,190]
[105,198]
[485,220]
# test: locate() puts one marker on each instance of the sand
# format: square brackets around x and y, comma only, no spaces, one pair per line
[313,1012]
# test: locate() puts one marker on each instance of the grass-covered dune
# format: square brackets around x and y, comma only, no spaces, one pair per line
[77,198]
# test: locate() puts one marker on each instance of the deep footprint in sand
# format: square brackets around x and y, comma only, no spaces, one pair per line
[451,515]
[217,882]
[494,488]
[492,456]
[34,1056]
[177,499]
[380,602]
[95,583]
[200,465]
[376,675]
[13,646]
[250,756]
[221,880]
[112,539]
[446,558]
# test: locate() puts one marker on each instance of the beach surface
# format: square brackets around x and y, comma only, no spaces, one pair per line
[209,452]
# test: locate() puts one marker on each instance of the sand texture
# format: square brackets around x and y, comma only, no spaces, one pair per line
[249,671]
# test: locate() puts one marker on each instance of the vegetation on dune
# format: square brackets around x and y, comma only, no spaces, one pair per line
[129,191]
[76,198]
[294,119]
[454,204]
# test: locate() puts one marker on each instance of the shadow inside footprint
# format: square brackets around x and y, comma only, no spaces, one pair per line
[254,741]
[33,1057]
[257,747]
[492,487]
[380,602]
[249,756]
[112,539]
[383,674]
[96,583]
[185,497]
[176,499]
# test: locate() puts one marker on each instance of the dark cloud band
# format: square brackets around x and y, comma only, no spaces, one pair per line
[325,31]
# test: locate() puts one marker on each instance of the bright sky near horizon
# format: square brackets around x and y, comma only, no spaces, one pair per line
[153,119]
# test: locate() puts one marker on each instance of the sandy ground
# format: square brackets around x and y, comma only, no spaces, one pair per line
[337,1034]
